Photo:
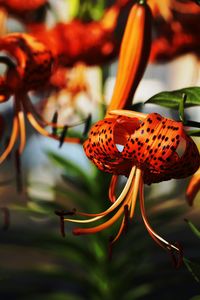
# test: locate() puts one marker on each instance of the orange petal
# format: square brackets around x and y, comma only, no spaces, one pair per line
[193,187]
[133,56]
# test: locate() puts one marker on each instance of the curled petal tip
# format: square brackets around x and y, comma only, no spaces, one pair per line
[193,188]
[177,258]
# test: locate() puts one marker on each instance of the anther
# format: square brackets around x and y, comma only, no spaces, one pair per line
[87,125]
[62,136]
[55,121]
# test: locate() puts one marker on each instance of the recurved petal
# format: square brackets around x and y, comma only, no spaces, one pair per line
[162,150]
[104,142]
[193,187]
[33,61]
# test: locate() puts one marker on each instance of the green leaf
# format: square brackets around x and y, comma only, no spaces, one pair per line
[69,167]
[173,99]
[197,297]
[193,228]
[194,133]
[193,268]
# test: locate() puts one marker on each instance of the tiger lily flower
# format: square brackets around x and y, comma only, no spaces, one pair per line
[29,67]
[152,149]
[145,148]
[92,43]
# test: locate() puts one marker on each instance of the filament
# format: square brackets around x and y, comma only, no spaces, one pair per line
[13,137]
[100,227]
[120,229]
[111,192]
[21,123]
[135,191]
[111,208]
[43,131]
[131,201]
[159,240]
[45,122]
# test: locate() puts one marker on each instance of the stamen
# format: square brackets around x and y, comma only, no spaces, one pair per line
[126,218]
[111,208]
[43,131]
[123,225]
[62,226]
[22,130]
[135,191]
[12,140]
[159,240]
[105,225]
[61,214]
[193,188]
[55,121]
[126,194]
[7,139]
[111,221]
[87,125]
[30,107]
[62,136]
[128,113]
[65,213]
[113,184]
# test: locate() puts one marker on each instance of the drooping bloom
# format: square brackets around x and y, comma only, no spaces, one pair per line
[144,148]
[154,149]
[29,67]
[92,43]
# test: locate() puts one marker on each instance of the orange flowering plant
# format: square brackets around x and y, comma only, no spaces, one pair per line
[146,148]
[33,59]
[31,71]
